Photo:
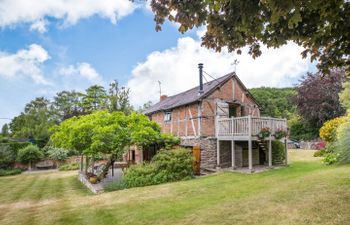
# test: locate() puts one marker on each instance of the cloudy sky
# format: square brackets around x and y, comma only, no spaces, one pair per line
[48,46]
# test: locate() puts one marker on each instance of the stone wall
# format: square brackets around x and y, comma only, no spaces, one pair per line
[208,150]
[226,157]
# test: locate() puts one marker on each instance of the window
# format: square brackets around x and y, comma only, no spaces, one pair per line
[167,116]
[243,111]
[232,111]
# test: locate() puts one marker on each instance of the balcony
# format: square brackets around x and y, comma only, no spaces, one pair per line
[247,128]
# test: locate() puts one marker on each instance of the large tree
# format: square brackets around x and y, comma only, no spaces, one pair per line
[321,27]
[105,133]
[317,97]
[35,121]
[67,104]
[94,99]
[275,102]
[119,98]
[5,130]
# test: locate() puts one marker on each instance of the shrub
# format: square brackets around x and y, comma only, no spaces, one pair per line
[166,166]
[58,154]
[301,130]
[342,145]
[10,172]
[115,186]
[7,156]
[328,131]
[29,154]
[320,153]
[69,166]
[319,145]
[330,158]
[278,152]
[168,141]
[16,146]
[173,165]
[140,175]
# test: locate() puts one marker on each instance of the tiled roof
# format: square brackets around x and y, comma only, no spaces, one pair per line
[189,96]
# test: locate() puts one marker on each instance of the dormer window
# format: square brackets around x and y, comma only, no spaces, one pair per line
[167,116]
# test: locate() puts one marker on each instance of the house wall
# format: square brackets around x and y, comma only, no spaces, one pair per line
[195,123]
[198,119]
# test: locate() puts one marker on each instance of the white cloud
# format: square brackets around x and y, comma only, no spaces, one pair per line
[177,68]
[26,62]
[34,12]
[83,70]
[39,25]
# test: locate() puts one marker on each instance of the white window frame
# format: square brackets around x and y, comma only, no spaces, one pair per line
[167,116]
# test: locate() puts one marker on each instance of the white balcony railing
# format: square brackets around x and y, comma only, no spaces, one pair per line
[248,125]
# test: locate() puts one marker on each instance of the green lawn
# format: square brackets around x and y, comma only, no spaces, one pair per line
[306,192]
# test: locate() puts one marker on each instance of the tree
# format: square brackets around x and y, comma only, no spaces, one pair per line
[144,106]
[106,133]
[94,99]
[5,130]
[119,98]
[321,27]
[35,121]
[275,102]
[67,104]
[317,97]
[30,155]
[344,95]
[7,156]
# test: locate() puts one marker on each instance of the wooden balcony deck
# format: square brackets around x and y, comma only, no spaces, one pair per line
[247,128]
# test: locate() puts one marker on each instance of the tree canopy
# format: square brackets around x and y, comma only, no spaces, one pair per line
[119,98]
[275,102]
[67,104]
[321,27]
[5,130]
[104,132]
[317,97]
[40,114]
[35,121]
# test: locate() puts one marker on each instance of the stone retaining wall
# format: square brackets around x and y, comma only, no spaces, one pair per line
[95,188]
[208,152]
[208,149]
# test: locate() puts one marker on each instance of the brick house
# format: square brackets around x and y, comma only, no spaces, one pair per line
[216,116]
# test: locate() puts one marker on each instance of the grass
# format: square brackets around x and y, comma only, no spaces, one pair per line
[306,192]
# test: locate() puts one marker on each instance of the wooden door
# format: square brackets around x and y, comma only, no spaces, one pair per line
[196,152]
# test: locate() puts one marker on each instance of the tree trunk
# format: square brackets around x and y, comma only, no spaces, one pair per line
[30,166]
[82,163]
[86,164]
[93,164]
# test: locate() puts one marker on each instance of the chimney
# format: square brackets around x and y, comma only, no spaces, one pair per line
[163,97]
[200,67]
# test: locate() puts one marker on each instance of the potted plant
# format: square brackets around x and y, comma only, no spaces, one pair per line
[92,178]
[264,133]
[280,133]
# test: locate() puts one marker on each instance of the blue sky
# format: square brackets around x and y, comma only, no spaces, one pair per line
[55,47]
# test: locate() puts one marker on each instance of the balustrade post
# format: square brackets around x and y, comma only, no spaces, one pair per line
[232,130]
[250,151]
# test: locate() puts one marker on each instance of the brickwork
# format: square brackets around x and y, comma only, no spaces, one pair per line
[185,119]
[195,123]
